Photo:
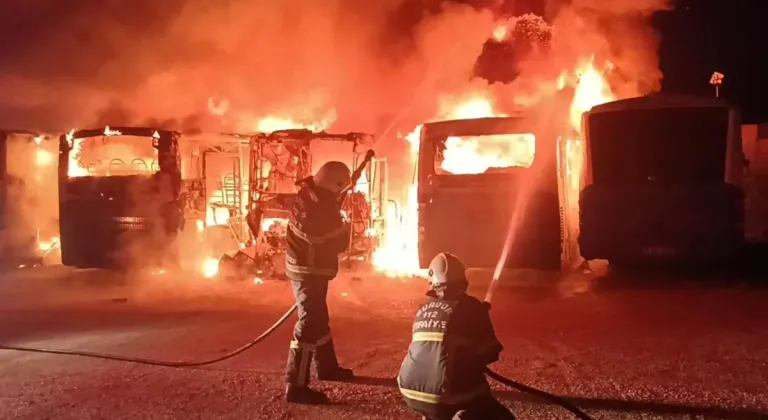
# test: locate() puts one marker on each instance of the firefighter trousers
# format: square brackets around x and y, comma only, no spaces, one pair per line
[312,333]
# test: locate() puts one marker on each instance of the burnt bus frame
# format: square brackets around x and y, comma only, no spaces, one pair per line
[169,161]
[544,167]
[257,205]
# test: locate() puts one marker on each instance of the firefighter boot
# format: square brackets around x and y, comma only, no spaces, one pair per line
[327,364]
[297,375]
[304,395]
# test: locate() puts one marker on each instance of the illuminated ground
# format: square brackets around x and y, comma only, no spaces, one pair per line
[621,351]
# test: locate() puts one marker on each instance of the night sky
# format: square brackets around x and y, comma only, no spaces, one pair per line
[728,36]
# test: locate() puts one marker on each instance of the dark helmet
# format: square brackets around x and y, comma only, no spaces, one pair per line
[333,176]
[447,271]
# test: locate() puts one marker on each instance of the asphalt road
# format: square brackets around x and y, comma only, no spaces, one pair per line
[678,348]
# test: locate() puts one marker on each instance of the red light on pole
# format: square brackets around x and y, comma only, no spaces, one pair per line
[716,80]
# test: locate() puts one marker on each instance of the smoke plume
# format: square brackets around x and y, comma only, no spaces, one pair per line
[83,63]
[619,32]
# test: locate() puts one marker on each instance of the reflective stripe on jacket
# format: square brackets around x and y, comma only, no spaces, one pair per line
[452,342]
[316,234]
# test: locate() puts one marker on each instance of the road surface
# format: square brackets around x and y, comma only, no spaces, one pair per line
[673,349]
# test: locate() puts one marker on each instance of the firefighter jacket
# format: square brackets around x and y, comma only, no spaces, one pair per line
[316,234]
[453,341]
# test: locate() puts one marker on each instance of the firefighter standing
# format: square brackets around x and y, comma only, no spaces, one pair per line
[316,236]
[442,377]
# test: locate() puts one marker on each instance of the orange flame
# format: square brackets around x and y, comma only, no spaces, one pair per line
[398,254]
[592,90]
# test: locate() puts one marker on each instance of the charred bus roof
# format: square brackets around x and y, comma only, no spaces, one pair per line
[661,101]
[309,135]
[469,127]
[121,131]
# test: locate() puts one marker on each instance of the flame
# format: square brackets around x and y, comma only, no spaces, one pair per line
[272,123]
[110,132]
[592,90]
[76,168]
[500,32]
[43,157]
[477,154]
[398,254]
[48,245]
[210,267]
[121,158]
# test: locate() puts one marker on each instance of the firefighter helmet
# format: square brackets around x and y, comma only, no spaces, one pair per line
[333,176]
[446,269]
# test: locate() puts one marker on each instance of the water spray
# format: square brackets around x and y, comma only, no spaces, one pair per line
[518,212]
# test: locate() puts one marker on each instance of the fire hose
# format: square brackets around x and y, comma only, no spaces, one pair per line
[187,364]
[153,362]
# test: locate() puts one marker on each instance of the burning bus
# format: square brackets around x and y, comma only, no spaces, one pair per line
[277,161]
[28,189]
[663,181]
[119,197]
[138,197]
[466,198]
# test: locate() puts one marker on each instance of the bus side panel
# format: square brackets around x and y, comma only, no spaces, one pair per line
[655,223]
[473,224]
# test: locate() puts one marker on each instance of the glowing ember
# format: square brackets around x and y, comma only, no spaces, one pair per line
[210,267]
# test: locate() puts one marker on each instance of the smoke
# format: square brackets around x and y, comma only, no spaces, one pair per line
[362,66]
[89,63]
[619,32]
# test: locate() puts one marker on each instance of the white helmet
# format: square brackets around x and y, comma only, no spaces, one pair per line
[333,176]
[445,270]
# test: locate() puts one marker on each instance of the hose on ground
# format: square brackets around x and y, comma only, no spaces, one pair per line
[181,364]
[152,362]
[538,393]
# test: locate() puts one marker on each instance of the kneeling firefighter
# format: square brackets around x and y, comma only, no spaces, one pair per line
[316,236]
[442,376]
